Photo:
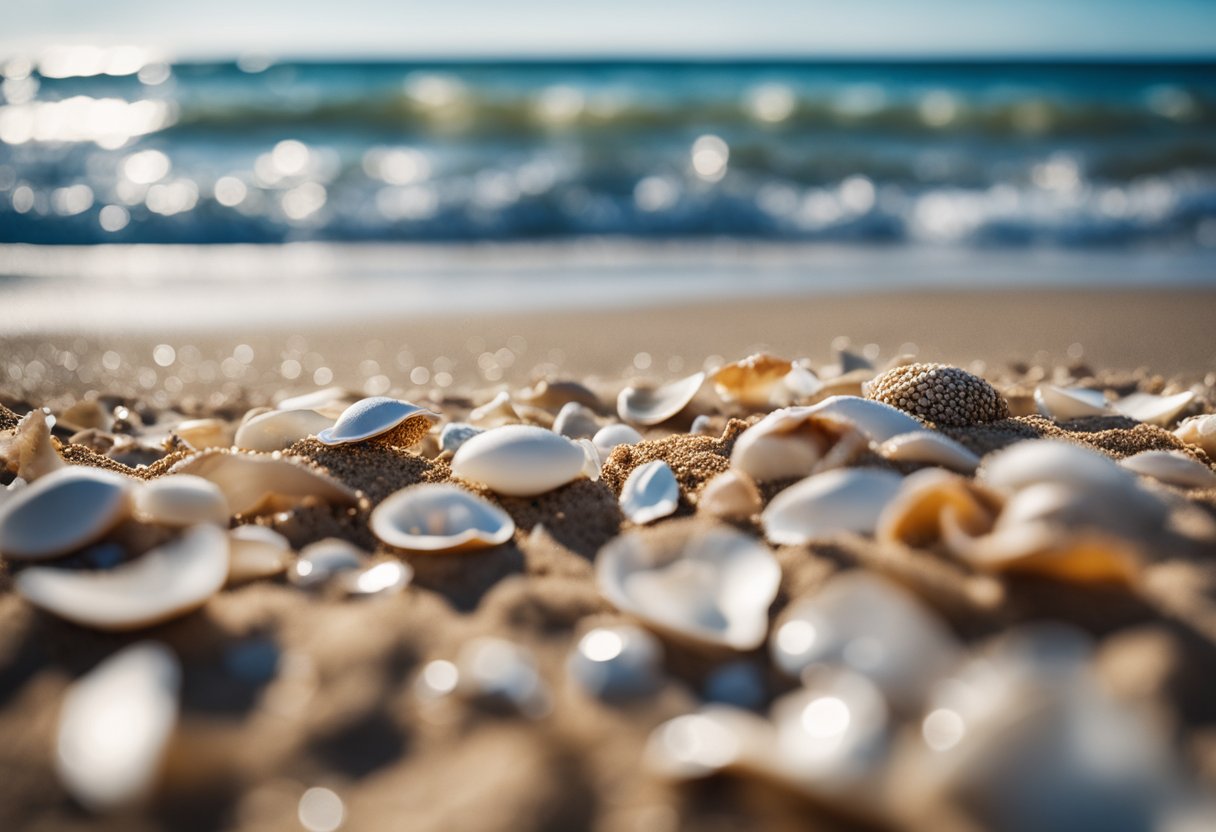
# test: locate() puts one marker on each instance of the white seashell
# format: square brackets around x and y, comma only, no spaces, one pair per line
[277,430]
[383,579]
[574,421]
[751,381]
[875,420]
[375,416]
[702,426]
[519,460]
[62,512]
[254,483]
[321,561]
[842,500]
[256,552]
[166,582]
[873,627]
[715,589]
[115,724]
[29,451]
[1199,431]
[180,500]
[1064,403]
[607,438]
[434,517]
[931,448]
[616,662]
[455,434]
[496,412]
[650,492]
[202,434]
[652,405]
[592,464]
[328,400]
[1171,467]
[731,495]
[801,383]
[1152,409]
[1051,460]
[501,673]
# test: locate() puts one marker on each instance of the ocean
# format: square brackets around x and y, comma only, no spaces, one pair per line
[958,155]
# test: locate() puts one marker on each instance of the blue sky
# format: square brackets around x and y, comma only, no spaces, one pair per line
[405,28]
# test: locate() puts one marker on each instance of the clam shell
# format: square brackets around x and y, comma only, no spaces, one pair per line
[714,589]
[1199,431]
[616,662]
[180,500]
[519,460]
[650,492]
[29,452]
[874,420]
[929,498]
[751,381]
[115,724]
[607,438]
[1153,409]
[202,434]
[1171,467]
[323,560]
[843,500]
[1051,460]
[1064,403]
[434,517]
[376,416]
[277,430]
[455,434]
[62,512]
[574,421]
[255,483]
[930,448]
[652,405]
[166,582]
[731,495]
[256,552]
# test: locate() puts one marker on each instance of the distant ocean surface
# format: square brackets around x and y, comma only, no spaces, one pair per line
[971,155]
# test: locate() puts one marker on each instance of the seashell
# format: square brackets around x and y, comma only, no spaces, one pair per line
[166,582]
[30,452]
[180,500]
[1171,467]
[715,588]
[379,417]
[591,459]
[1064,403]
[551,395]
[435,517]
[254,483]
[86,414]
[618,662]
[874,420]
[115,725]
[731,495]
[843,500]
[650,492]
[782,445]
[277,430]
[930,448]
[931,498]
[607,438]
[383,579]
[256,552]
[501,674]
[498,411]
[519,460]
[62,512]
[751,381]
[1052,460]
[716,738]
[321,561]
[575,422]
[455,434]
[799,384]
[330,401]
[940,394]
[702,426]
[1199,431]
[202,434]
[1152,409]
[653,405]
[873,627]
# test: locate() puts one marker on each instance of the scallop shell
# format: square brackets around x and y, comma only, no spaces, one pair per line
[843,500]
[255,483]
[180,500]
[321,561]
[1154,410]
[1064,403]
[1199,431]
[930,448]
[618,662]
[256,552]
[30,452]
[62,512]
[202,434]
[607,438]
[434,517]
[714,589]
[277,430]
[751,381]
[166,582]
[731,495]
[115,725]
[928,499]
[650,493]
[574,421]
[519,460]
[653,405]
[401,423]
[1171,467]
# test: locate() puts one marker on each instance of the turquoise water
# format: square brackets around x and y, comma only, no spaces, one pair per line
[970,155]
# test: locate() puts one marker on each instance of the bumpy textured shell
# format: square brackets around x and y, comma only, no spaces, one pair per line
[940,394]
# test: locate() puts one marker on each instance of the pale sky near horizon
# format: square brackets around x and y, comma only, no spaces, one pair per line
[454,28]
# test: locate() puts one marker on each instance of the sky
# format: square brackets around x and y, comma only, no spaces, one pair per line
[572,28]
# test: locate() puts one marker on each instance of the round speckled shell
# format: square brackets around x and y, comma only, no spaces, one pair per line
[940,394]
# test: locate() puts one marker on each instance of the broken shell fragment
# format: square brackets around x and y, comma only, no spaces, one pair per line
[607,438]
[930,448]
[714,588]
[731,495]
[380,417]
[1199,431]
[62,512]
[496,412]
[519,460]
[1172,468]
[842,500]
[321,561]
[439,517]
[29,452]
[180,500]
[166,582]
[455,434]
[256,552]
[1153,409]
[115,724]
[932,500]
[254,483]
[751,381]
[650,492]
[653,405]
[551,395]
[1064,403]
[616,662]
[202,434]
[277,430]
